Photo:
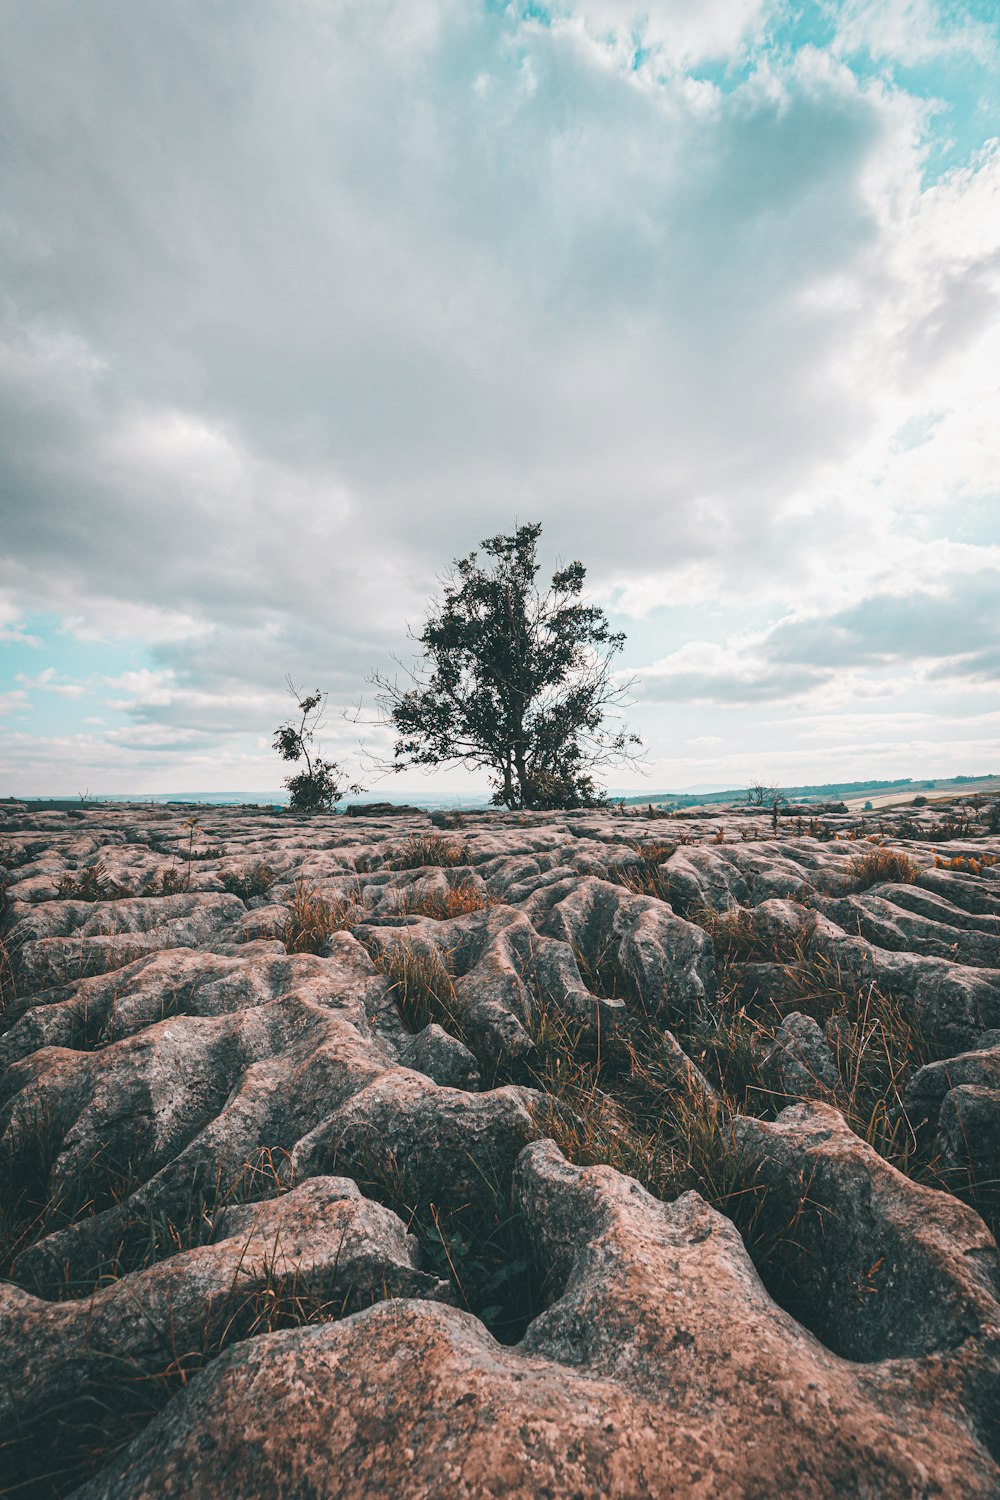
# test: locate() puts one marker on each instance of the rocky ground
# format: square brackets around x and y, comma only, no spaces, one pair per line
[574,1154]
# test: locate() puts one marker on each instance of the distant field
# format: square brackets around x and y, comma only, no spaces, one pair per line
[855,794]
[934,791]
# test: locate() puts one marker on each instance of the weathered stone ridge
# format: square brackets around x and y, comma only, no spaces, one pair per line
[570,1154]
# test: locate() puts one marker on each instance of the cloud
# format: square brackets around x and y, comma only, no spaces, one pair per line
[351,287]
[948,634]
[11,632]
[703,671]
[682,33]
[953,621]
[914,31]
[47,681]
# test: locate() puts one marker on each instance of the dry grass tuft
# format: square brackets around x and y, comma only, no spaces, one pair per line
[657,851]
[736,938]
[422,849]
[8,987]
[315,917]
[459,901]
[879,864]
[422,987]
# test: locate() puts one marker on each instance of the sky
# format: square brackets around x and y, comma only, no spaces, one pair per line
[301,299]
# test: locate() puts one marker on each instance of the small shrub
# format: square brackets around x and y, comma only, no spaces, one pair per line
[422,849]
[255,880]
[879,865]
[315,917]
[92,884]
[317,788]
[959,827]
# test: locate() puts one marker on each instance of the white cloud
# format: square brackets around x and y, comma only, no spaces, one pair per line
[48,681]
[355,286]
[913,31]
[683,33]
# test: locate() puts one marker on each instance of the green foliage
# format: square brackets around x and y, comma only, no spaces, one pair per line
[317,788]
[516,682]
[172,881]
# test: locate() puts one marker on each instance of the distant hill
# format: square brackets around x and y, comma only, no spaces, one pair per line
[831,791]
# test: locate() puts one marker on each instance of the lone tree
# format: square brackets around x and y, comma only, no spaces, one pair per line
[515,681]
[317,788]
[759,794]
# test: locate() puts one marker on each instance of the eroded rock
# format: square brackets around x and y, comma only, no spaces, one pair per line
[165,1057]
[650,1374]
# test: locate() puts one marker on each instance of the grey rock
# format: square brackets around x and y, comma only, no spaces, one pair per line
[889,1268]
[442,1057]
[180,1060]
[930,1085]
[322,1242]
[801,1060]
[969,1130]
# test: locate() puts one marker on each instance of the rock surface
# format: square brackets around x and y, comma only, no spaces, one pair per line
[275,1104]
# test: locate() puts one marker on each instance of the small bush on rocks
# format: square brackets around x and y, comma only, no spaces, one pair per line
[255,880]
[879,865]
[92,884]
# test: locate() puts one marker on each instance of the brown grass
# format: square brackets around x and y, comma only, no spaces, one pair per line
[422,987]
[880,864]
[422,849]
[971,864]
[459,901]
[315,917]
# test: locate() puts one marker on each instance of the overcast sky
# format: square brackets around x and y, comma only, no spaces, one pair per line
[299,299]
